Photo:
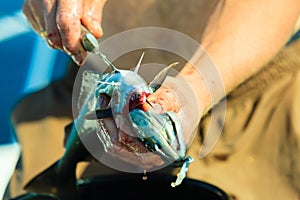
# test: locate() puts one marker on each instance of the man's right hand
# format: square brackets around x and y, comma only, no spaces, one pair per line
[60,21]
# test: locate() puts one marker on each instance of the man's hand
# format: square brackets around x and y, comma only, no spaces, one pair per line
[124,146]
[60,21]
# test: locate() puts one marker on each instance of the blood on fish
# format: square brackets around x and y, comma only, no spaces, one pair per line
[137,100]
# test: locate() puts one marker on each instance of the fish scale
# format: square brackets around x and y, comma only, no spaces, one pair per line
[159,132]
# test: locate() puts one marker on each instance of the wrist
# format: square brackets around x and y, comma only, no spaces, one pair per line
[198,87]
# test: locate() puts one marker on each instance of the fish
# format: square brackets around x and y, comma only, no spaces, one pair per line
[159,132]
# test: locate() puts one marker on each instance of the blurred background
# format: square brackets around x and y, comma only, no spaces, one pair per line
[27,65]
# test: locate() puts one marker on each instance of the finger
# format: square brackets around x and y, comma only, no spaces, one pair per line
[68,21]
[103,100]
[166,98]
[141,154]
[53,36]
[30,17]
[37,8]
[132,143]
[127,148]
[92,16]
[137,160]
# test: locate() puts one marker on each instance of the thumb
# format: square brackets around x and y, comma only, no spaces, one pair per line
[92,16]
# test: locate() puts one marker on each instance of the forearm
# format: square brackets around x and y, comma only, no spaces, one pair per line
[240,37]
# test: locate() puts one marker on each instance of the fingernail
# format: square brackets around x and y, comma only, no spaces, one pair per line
[98,32]
[52,44]
[100,101]
[79,58]
[76,59]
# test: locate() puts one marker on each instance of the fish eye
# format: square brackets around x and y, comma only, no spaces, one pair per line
[132,97]
[135,96]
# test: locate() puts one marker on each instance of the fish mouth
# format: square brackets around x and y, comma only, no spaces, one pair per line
[139,101]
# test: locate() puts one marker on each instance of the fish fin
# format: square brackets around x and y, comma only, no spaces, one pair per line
[139,64]
[182,173]
[160,77]
[99,114]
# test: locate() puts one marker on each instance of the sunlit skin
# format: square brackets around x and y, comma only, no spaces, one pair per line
[240,37]
[61,20]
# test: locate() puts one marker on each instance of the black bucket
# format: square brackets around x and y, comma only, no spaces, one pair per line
[128,186]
